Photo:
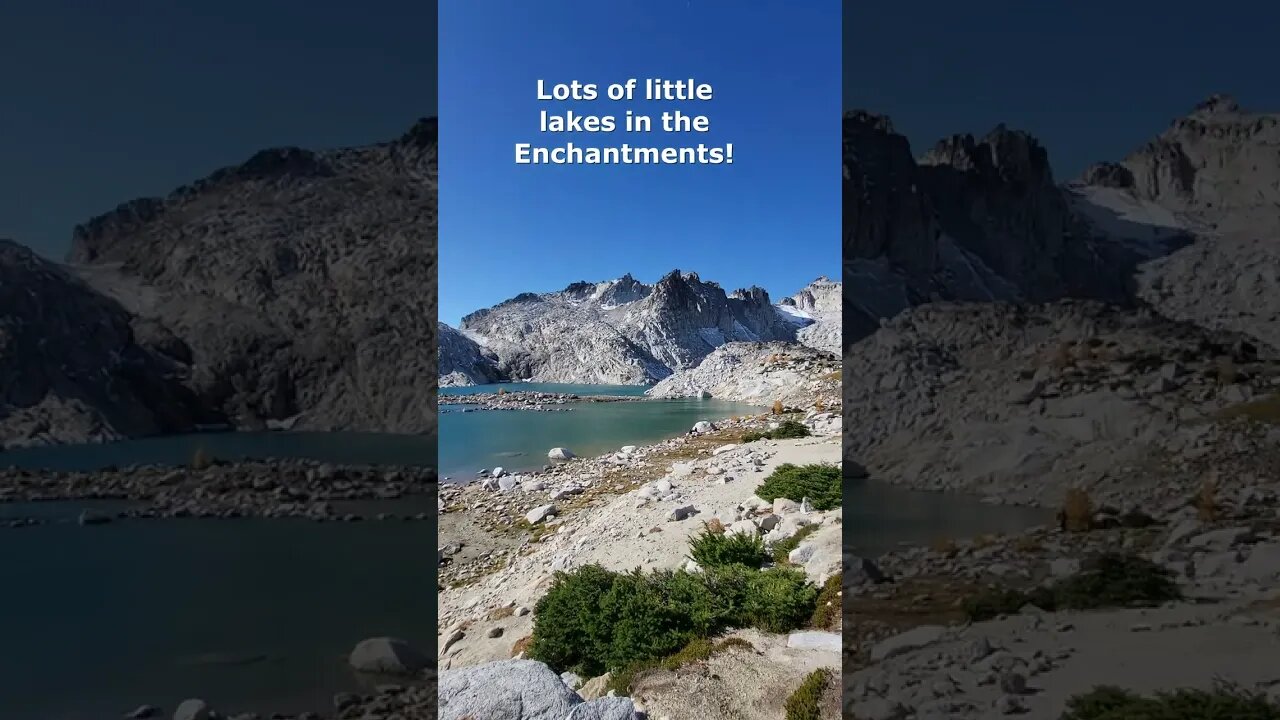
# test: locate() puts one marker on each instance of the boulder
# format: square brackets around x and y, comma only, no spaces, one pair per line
[814,640]
[785,505]
[539,514]
[520,690]
[596,687]
[901,643]
[682,513]
[388,656]
[560,454]
[192,709]
[91,517]
[606,708]
[861,571]
[801,554]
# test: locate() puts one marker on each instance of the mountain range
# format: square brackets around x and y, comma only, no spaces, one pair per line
[624,331]
[297,288]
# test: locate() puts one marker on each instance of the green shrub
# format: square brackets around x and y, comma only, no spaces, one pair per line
[787,429]
[1113,580]
[829,605]
[781,549]
[650,616]
[993,603]
[820,483]
[1116,580]
[593,620]
[569,631]
[710,549]
[779,600]
[805,703]
[1222,703]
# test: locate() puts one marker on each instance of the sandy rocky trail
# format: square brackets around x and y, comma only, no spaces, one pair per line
[578,518]
[1030,663]
[1018,405]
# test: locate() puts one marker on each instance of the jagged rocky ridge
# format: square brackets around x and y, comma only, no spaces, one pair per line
[298,286]
[1190,215]
[624,331]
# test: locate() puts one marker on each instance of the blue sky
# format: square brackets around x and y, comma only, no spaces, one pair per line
[103,102]
[1092,80]
[771,218]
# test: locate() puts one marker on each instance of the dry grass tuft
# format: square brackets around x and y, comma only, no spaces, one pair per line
[521,646]
[1077,511]
[201,459]
[1206,501]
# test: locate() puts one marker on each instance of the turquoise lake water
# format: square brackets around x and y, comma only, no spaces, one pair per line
[518,440]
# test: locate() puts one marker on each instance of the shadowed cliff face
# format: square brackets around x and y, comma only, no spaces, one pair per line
[982,219]
[72,366]
[464,362]
[302,282]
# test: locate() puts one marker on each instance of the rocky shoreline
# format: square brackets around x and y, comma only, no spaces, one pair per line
[524,400]
[407,690]
[283,488]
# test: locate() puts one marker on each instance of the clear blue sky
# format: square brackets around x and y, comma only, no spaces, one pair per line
[1092,79]
[103,102]
[772,218]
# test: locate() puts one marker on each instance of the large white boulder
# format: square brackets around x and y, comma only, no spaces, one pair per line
[520,690]
[388,656]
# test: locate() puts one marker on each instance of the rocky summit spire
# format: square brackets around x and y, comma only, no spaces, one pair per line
[1216,104]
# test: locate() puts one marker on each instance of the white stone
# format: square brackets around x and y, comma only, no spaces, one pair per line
[814,640]
[539,514]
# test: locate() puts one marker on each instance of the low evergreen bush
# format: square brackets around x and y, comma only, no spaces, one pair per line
[710,549]
[1222,703]
[786,430]
[593,620]
[820,483]
[1113,580]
